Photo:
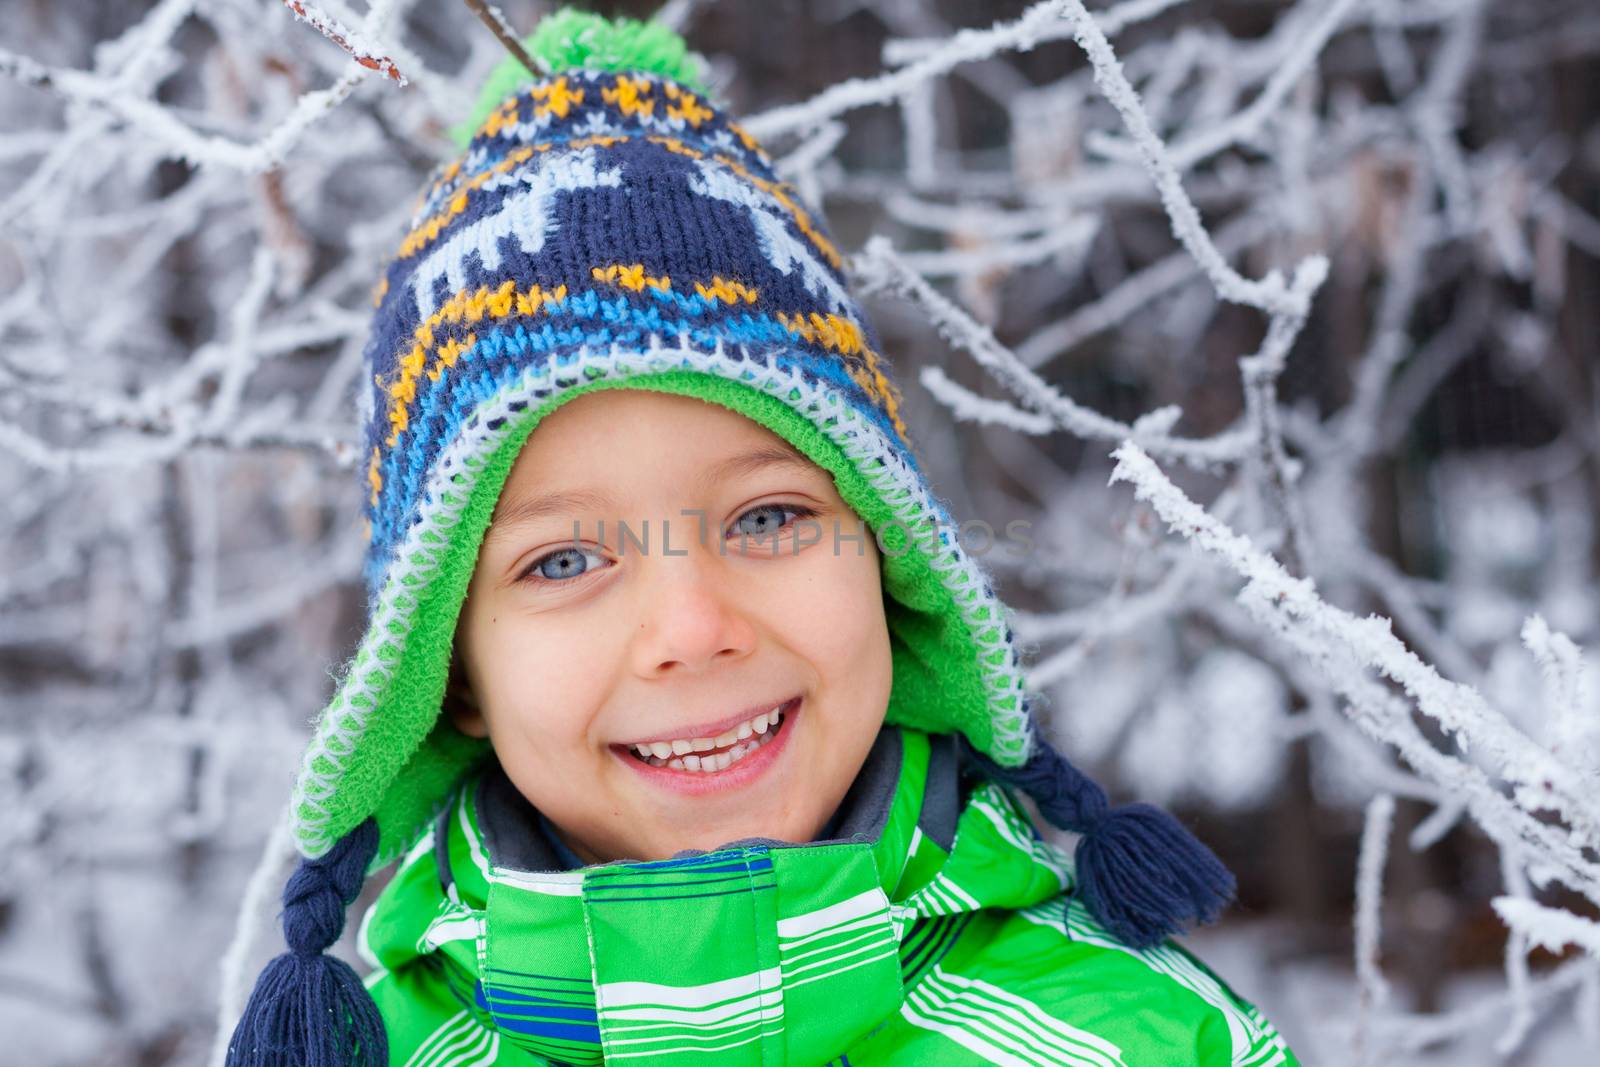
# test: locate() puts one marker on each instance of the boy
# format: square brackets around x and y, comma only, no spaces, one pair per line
[687,715]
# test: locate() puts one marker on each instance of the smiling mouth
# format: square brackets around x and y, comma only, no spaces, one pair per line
[709,755]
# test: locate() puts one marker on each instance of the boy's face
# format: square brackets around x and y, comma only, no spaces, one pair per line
[603,666]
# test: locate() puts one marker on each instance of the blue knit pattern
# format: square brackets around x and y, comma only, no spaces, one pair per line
[593,212]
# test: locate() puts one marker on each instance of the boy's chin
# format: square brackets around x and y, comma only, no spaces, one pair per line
[723,834]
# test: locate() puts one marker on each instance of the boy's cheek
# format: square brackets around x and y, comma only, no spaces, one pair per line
[536,686]
[844,621]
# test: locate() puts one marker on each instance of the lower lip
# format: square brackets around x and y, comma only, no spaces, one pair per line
[735,776]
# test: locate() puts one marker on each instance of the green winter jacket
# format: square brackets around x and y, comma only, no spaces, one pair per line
[936,927]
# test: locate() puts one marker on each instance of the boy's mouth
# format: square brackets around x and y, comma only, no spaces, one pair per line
[710,755]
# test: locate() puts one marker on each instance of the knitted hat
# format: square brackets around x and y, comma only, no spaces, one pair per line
[609,226]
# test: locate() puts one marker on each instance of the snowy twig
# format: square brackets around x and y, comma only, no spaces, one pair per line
[965,47]
[1388,341]
[493,18]
[1549,928]
[879,266]
[338,446]
[367,55]
[1269,294]
[157,124]
[1069,238]
[675,14]
[1133,294]
[1329,17]
[1516,883]
[1574,729]
[1112,21]
[182,141]
[1407,1034]
[1260,373]
[1369,902]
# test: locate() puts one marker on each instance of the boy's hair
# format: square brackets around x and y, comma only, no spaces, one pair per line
[607,225]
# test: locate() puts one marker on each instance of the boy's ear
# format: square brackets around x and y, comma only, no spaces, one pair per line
[460,703]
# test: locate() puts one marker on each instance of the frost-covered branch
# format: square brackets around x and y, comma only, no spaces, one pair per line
[368,55]
[1369,902]
[965,46]
[1550,928]
[1268,294]
[879,267]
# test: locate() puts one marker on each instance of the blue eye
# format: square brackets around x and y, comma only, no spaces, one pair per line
[561,565]
[767,519]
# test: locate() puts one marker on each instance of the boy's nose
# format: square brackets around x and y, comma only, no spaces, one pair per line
[690,617]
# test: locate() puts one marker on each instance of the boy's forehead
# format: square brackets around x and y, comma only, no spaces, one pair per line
[533,498]
[709,441]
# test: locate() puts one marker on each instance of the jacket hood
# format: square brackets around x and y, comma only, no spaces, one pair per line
[757,952]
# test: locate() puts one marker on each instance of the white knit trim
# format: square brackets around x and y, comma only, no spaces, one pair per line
[414,563]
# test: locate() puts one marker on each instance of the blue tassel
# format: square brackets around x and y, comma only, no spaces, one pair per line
[310,1009]
[1140,873]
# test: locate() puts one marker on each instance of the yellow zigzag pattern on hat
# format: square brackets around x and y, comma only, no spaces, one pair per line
[549,98]
[463,306]
[632,276]
[838,334]
[500,303]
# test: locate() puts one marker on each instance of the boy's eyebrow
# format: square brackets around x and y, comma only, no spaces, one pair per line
[768,455]
[539,507]
[745,463]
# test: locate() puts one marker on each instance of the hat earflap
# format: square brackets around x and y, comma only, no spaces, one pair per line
[1140,873]
[310,1009]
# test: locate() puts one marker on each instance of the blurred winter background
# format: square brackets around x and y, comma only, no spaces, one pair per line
[1333,271]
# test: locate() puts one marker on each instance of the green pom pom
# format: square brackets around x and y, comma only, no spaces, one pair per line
[571,39]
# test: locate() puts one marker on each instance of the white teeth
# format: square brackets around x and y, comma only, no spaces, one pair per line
[714,762]
[712,754]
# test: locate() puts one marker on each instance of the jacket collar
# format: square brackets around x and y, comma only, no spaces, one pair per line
[515,835]
[760,951]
